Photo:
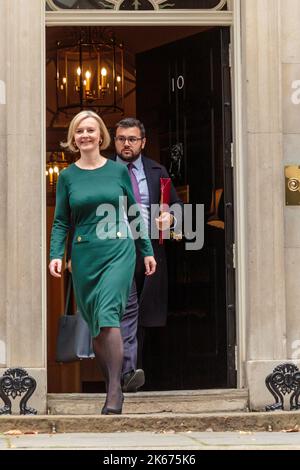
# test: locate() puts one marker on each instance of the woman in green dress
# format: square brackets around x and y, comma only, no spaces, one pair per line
[95,196]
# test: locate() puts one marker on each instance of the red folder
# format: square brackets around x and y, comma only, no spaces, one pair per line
[165,191]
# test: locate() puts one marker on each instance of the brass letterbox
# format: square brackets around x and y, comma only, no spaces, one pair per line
[292,185]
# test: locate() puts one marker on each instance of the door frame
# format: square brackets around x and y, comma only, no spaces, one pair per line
[231,19]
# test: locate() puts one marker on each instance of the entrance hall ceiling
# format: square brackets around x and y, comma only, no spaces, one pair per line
[135,38]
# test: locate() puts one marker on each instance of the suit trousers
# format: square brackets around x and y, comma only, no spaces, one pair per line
[129,322]
[128,327]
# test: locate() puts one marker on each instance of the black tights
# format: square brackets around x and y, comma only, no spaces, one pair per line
[108,349]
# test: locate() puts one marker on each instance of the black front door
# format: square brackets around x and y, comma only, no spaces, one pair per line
[183,98]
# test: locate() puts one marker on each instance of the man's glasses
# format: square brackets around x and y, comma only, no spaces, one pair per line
[131,140]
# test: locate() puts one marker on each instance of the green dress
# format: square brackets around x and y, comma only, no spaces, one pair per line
[103,248]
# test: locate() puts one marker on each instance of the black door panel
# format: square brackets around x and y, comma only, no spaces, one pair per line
[183,98]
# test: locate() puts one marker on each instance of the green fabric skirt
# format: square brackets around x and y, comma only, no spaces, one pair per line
[103,271]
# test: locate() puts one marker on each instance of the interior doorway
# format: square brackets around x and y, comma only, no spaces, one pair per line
[177,81]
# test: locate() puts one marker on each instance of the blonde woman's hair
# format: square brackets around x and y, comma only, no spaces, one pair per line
[104,134]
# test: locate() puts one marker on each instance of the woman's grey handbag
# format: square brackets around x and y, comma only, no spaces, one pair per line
[74,341]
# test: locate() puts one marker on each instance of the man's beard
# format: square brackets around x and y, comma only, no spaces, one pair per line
[131,158]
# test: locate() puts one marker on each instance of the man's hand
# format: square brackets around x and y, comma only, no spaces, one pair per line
[150,265]
[164,221]
[55,267]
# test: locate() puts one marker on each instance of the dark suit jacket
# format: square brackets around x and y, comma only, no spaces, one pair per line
[153,299]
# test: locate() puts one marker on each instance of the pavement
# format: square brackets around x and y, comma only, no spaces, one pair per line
[135,441]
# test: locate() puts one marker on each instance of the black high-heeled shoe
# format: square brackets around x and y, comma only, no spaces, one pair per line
[113,411]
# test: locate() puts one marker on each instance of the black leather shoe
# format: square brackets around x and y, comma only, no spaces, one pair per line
[133,380]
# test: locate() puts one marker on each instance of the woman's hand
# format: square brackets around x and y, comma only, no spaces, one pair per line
[55,267]
[150,265]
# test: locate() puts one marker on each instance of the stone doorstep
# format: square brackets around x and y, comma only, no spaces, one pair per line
[158,423]
[190,401]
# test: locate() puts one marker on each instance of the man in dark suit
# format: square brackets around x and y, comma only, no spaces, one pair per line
[147,304]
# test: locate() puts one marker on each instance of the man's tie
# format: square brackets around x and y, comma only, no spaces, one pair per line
[135,185]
